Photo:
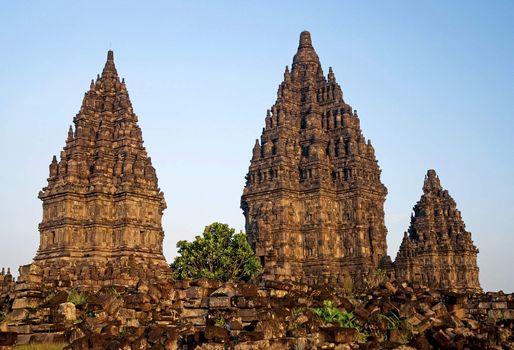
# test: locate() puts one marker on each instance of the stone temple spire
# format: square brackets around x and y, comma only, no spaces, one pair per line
[102,202]
[313,199]
[432,183]
[437,251]
[109,70]
[306,53]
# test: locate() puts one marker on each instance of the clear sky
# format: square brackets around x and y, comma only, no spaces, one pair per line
[433,82]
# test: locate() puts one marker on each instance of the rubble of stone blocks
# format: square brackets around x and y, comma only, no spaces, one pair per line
[207,314]
[90,276]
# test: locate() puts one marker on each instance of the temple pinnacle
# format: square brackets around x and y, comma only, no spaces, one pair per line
[306,52]
[110,68]
[305,39]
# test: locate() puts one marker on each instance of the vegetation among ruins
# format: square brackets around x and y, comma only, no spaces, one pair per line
[332,315]
[77,298]
[219,254]
[47,346]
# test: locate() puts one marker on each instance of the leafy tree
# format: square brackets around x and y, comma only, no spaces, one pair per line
[219,254]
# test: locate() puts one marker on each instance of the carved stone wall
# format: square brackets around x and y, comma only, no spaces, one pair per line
[437,251]
[313,200]
[102,202]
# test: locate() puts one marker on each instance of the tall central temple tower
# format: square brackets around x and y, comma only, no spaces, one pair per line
[102,205]
[313,200]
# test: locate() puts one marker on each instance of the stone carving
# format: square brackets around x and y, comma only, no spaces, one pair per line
[437,251]
[102,202]
[313,169]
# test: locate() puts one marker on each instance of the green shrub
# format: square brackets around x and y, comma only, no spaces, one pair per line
[219,254]
[220,322]
[332,315]
[77,298]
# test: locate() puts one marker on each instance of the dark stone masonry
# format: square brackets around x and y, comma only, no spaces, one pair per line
[437,251]
[313,200]
[102,207]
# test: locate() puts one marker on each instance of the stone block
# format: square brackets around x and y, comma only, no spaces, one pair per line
[254,345]
[508,314]
[196,292]
[20,329]
[235,324]
[23,339]
[484,305]
[181,284]
[219,302]
[8,338]
[278,293]
[193,303]
[26,303]
[196,321]
[459,313]
[240,302]
[248,315]
[194,312]
[216,334]
[248,290]
[228,290]
[68,311]
[19,315]
[499,305]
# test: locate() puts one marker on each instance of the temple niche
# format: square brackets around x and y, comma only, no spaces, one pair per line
[437,251]
[313,200]
[102,206]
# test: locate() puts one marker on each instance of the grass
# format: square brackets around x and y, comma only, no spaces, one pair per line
[45,346]
[391,320]
[49,297]
[220,322]
[77,298]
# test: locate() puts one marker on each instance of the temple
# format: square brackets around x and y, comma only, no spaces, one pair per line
[313,199]
[102,207]
[437,251]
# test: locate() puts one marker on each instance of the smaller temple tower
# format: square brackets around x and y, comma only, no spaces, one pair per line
[437,251]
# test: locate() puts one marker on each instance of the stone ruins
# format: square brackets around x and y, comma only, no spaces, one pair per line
[102,206]
[314,209]
[437,251]
[313,200]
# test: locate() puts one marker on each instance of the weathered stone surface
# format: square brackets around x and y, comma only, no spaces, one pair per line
[219,302]
[102,206]
[68,311]
[313,200]
[437,251]
[7,338]
[386,317]
[26,303]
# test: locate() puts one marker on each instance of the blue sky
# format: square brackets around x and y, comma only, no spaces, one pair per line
[432,81]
